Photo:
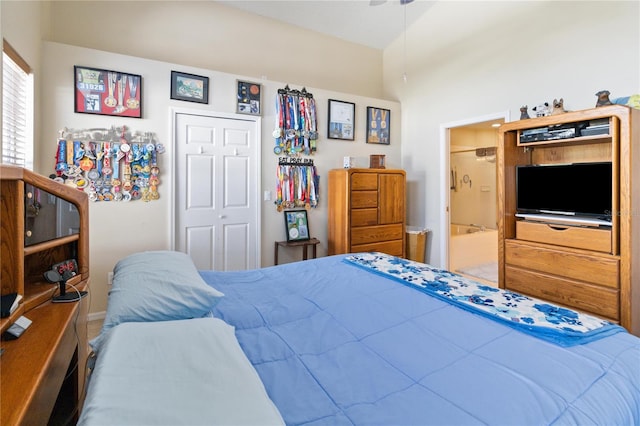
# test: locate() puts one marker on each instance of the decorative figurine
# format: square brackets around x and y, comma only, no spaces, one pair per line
[558,107]
[603,98]
[524,113]
[542,110]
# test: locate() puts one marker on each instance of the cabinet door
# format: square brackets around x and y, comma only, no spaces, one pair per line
[391,196]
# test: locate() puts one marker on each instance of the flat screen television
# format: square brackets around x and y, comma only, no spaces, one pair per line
[578,190]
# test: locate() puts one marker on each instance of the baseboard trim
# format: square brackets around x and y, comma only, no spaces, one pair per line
[96,316]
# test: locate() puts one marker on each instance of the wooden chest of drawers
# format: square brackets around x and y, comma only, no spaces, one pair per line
[589,282]
[366,211]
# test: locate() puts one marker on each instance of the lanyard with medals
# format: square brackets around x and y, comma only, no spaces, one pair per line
[295,128]
[279,181]
[61,157]
[277,131]
[106,167]
[314,128]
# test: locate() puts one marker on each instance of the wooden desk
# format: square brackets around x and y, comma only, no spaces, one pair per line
[313,242]
[47,360]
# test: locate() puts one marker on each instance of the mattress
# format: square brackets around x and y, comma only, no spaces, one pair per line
[335,344]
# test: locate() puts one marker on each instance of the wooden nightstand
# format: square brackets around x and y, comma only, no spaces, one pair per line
[313,242]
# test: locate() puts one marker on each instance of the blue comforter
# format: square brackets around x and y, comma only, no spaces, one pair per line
[336,344]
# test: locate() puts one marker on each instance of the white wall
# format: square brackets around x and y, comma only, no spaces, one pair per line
[118,229]
[470,59]
[207,34]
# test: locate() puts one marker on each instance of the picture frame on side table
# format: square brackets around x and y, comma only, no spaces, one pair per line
[189,87]
[342,117]
[106,92]
[249,97]
[378,125]
[296,225]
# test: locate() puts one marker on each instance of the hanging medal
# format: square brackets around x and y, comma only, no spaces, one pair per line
[122,85]
[61,157]
[106,166]
[78,152]
[277,132]
[69,159]
[86,164]
[132,101]
[110,100]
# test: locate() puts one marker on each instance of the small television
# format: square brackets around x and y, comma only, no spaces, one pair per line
[577,190]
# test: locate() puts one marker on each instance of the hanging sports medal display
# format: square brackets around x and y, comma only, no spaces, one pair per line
[295,131]
[110,164]
[296,184]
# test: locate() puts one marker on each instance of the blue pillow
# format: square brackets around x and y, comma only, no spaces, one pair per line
[157,286]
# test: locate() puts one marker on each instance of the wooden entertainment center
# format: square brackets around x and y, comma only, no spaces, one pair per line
[42,372]
[591,269]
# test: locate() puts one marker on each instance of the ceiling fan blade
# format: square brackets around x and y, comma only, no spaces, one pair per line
[403,2]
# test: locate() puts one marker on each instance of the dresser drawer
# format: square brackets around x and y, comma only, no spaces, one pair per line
[373,234]
[394,248]
[364,199]
[600,270]
[569,236]
[364,181]
[586,297]
[364,217]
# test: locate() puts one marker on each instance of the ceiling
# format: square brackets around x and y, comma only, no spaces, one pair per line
[356,21]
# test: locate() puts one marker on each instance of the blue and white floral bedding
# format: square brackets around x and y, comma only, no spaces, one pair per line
[337,344]
[534,316]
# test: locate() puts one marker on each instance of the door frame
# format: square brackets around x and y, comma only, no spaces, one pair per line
[257,120]
[445,166]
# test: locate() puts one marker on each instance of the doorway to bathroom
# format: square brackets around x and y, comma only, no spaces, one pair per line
[471,198]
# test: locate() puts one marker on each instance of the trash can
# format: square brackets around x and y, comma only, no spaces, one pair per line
[416,243]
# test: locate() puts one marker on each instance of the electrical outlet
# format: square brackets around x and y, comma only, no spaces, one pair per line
[110,278]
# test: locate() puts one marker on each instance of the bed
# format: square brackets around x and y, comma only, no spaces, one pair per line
[350,339]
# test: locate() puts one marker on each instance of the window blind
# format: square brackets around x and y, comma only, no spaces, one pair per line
[17,109]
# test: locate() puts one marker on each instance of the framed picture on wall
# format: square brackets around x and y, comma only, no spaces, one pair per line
[189,87]
[341,120]
[378,125]
[296,225]
[248,98]
[105,92]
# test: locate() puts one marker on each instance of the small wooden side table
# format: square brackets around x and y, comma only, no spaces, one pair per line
[313,242]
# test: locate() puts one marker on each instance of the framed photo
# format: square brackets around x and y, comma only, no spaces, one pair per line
[105,92]
[189,87]
[249,98]
[296,225]
[341,120]
[378,125]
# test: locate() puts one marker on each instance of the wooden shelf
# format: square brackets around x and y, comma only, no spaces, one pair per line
[37,248]
[580,140]
[34,366]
